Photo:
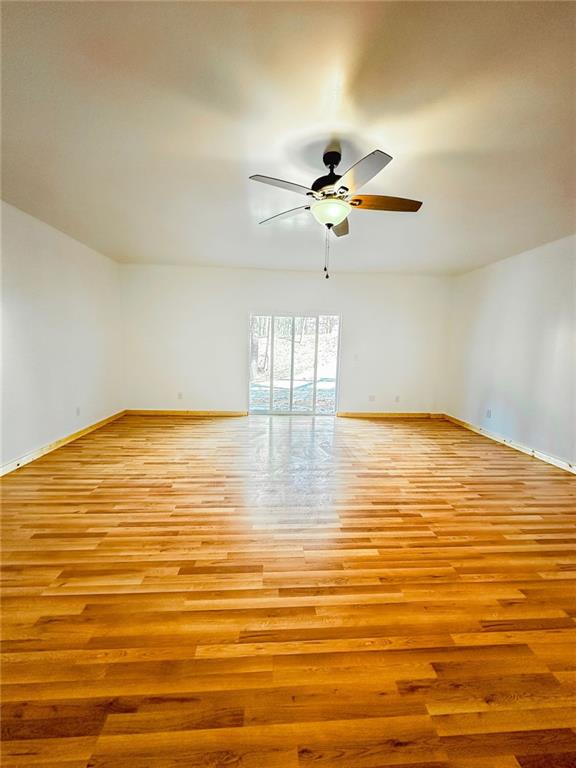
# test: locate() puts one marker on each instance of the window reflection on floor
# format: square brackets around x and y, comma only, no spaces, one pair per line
[294,457]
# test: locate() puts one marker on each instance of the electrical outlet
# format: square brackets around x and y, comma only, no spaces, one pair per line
[397,399]
[77,410]
[371,398]
[179,395]
[489,413]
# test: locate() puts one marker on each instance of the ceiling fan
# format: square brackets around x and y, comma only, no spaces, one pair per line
[333,197]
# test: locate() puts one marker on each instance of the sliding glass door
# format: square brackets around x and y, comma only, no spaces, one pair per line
[293,363]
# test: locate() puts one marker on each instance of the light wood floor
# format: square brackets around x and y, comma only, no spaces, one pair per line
[282,592]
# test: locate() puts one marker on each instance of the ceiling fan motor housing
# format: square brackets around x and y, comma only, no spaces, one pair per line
[325,181]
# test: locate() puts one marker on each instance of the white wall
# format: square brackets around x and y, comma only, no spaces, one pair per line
[61,335]
[513,349]
[187,331]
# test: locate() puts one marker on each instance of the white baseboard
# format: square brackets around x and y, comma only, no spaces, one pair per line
[38,452]
[560,463]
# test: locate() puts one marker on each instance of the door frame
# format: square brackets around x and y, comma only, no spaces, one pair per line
[293,315]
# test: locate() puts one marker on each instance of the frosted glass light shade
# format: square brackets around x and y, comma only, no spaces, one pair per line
[331,210]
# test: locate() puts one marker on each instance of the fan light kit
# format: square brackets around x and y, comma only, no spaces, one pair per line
[333,197]
[330,211]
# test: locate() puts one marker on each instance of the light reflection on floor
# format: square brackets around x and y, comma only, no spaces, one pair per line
[295,459]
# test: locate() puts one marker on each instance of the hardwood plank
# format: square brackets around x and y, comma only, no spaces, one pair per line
[287,592]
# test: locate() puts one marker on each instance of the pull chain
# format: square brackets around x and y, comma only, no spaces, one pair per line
[327,254]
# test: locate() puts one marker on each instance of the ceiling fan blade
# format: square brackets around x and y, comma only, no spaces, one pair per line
[384,203]
[364,170]
[341,229]
[286,214]
[282,184]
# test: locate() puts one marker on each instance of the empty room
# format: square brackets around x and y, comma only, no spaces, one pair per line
[288,384]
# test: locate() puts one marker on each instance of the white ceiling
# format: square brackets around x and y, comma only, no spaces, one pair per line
[134,127]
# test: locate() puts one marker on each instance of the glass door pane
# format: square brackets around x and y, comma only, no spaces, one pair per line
[327,363]
[293,363]
[304,364]
[260,354]
[282,364]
